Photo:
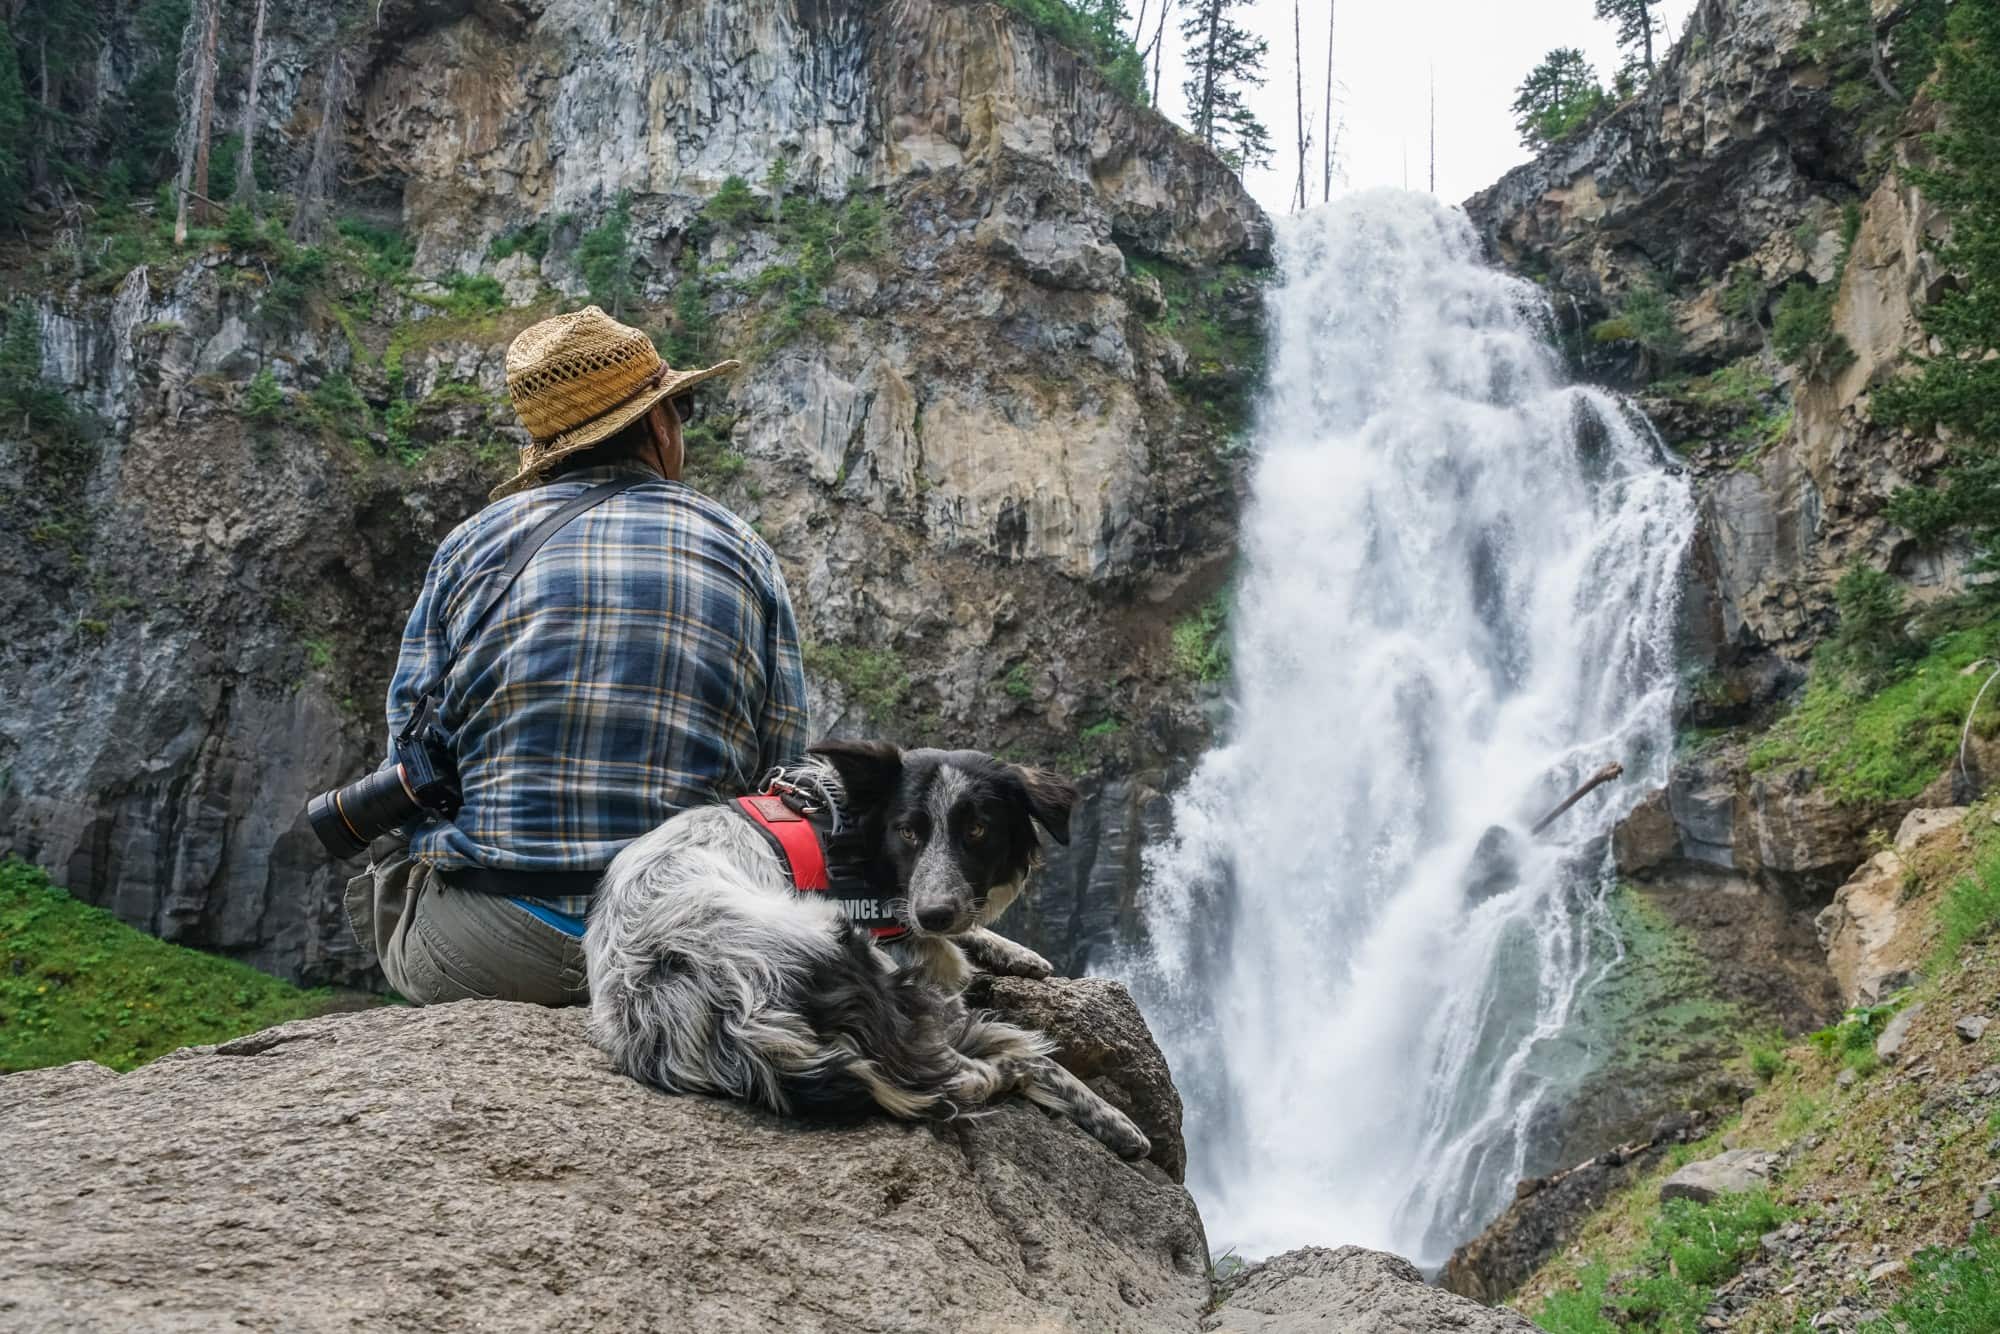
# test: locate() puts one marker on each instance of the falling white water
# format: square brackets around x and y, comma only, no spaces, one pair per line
[1457,601]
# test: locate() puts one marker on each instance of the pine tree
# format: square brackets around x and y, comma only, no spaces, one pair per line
[1636,26]
[1959,390]
[1224,58]
[13,130]
[1557,97]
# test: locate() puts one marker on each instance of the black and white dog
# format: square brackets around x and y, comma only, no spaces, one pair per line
[709,974]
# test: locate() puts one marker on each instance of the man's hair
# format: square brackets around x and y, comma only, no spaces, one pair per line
[632,440]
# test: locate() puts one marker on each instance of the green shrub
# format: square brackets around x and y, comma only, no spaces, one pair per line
[1802,330]
[1201,641]
[1851,1041]
[1691,1250]
[263,401]
[1093,29]
[1886,745]
[339,403]
[385,252]
[1954,1290]
[1970,909]
[1767,1062]
[77,984]
[732,204]
[1743,298]
[687,342]
[528,239]
[1580,1310]
[468,295]
[1019,683]
[1871,641]
[1102,730]
[874,679]
[605,256]
[1644,318]
[27,401]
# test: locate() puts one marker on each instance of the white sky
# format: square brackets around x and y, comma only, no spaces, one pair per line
[1382,55]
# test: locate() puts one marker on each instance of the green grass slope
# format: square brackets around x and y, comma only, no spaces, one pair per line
[78,984]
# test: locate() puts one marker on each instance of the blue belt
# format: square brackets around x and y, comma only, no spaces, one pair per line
[561,921]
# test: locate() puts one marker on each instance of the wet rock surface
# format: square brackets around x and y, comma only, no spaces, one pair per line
[1350,1290]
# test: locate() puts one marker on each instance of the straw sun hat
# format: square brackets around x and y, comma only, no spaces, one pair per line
[579,379]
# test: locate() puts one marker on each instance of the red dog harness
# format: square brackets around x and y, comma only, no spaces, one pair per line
[798,837]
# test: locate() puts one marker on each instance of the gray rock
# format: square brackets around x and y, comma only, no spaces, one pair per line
[1847,1078]
[1982,1207]
[1102,1039]
[481,1166]
[1725,1174]
[1349,1291]
[1890,1045]
[1970,1027]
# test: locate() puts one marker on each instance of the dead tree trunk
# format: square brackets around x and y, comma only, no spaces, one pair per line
[1590,785]
[246,171]
[196,89]
[323,168]
[1326,123]
[1299,99]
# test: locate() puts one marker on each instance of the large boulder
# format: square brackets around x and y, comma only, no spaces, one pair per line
[1103,1040]
[1349,1291]
[481,1166]
[1728,1173]
[1875,932]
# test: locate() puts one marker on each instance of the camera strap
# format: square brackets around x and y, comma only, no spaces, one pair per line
[536,539]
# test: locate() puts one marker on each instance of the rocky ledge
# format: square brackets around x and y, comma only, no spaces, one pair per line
[481,1166]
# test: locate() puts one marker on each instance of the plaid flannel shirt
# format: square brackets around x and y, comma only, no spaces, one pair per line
[645,661]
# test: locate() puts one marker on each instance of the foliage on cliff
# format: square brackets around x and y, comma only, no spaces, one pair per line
[1882,1172]
[1882,714]
[1958,391]
[76,984]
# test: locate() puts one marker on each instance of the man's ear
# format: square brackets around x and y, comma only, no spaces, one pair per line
[1049,800]
[869,770]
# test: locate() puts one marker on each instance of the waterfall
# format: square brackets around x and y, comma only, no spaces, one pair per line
[1457,599]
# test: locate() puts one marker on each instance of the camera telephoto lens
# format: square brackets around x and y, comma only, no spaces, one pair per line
[348,818]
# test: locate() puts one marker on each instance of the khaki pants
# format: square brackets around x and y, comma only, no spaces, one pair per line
[441,944]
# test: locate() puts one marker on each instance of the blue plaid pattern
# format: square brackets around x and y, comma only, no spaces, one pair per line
[645,661]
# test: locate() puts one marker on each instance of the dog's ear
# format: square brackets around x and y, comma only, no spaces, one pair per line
[1049,800]
[869,770]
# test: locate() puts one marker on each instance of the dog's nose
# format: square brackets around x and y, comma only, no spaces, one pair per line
[935,918]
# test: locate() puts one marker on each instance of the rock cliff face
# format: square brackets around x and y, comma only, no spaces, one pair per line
[1745,170]
[1742,169]
[1000,324]
[480,1166]
[1759,164]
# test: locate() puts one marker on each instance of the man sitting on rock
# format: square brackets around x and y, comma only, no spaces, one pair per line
[643,661]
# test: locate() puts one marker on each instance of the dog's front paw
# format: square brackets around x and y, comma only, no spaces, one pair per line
[1125,1139]
[1023,962]
[1111,1128]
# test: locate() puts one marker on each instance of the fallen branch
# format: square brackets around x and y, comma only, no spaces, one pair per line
[1591,784]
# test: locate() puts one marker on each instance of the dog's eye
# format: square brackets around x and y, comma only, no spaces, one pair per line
[974,832]
[909,834]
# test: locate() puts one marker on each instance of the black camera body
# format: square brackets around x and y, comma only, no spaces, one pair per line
[420,782]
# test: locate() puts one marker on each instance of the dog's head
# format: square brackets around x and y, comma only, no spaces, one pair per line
[957,827]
